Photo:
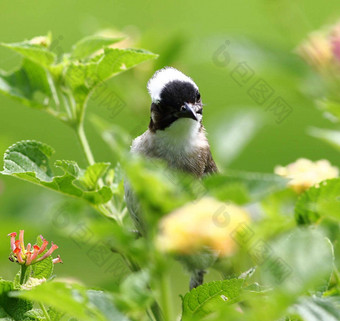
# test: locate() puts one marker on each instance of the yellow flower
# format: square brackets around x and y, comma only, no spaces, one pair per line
[316,50]
[322,48]
[304,173]
[205,224]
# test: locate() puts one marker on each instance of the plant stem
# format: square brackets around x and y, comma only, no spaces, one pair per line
[109,211]
[43,309]
[53,90]
[22,273]
[85,144]
[165,298]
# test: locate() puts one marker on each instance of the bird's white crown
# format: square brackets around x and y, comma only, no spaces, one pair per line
[161,78]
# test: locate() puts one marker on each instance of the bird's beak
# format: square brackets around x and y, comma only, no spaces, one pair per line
[186,112]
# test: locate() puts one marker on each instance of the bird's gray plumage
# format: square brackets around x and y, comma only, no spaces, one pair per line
[175,135]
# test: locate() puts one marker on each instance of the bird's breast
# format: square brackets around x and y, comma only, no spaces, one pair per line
[183,146]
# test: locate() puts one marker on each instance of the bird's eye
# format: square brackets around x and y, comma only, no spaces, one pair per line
[198,96]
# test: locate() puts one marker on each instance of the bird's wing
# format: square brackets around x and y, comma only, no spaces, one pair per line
[134,207]
[210,166]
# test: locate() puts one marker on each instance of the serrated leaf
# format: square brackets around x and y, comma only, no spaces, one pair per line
[35,314]
[43,269]
[93,173]
[116,60]
[242,187]
[29,160]
[318,202]
[26,83]
[56,315]
[35,52]
[74,300]
[14,307]
[82,78]
[206,298]
[89,45]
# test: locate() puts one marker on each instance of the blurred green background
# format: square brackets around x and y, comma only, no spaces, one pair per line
[186,34]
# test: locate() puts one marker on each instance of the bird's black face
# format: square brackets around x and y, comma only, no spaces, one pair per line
[178,99]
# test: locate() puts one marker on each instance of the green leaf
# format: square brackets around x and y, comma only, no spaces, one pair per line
[296,262]
[82,78]
[35,314]
[318,309]
[330,107]
[93,173]
[134,296]
[29,160]
[43,269]
[331,137]
[74,300]
[29,84]
[56,315]
[38,53]
[14,307]
[207,298]
[232,131]
[89,45]
[155,186]
[318,202]
[242,187]
[116,60]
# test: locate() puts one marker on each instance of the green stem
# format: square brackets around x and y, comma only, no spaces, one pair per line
[43,309]
[336,276]
[85,144]
[67,106]
[110,210]
[53,90]
[22,273]
[165,297]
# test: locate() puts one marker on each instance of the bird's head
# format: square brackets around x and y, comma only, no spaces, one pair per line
[174,96]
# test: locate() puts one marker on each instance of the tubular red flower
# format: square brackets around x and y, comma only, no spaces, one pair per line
[43,246]
[36,249]
[21,239]
[49,252]
[17,253]
[13,235]
[28,257]
[17,244]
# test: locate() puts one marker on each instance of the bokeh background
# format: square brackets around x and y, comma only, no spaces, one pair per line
[262,34]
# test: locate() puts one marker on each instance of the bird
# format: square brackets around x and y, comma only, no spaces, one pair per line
[175,135]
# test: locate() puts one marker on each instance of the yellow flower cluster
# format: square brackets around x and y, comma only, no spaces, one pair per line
[206,224]
[304,173]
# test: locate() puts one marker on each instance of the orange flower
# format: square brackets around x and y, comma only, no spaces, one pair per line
[25,256]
